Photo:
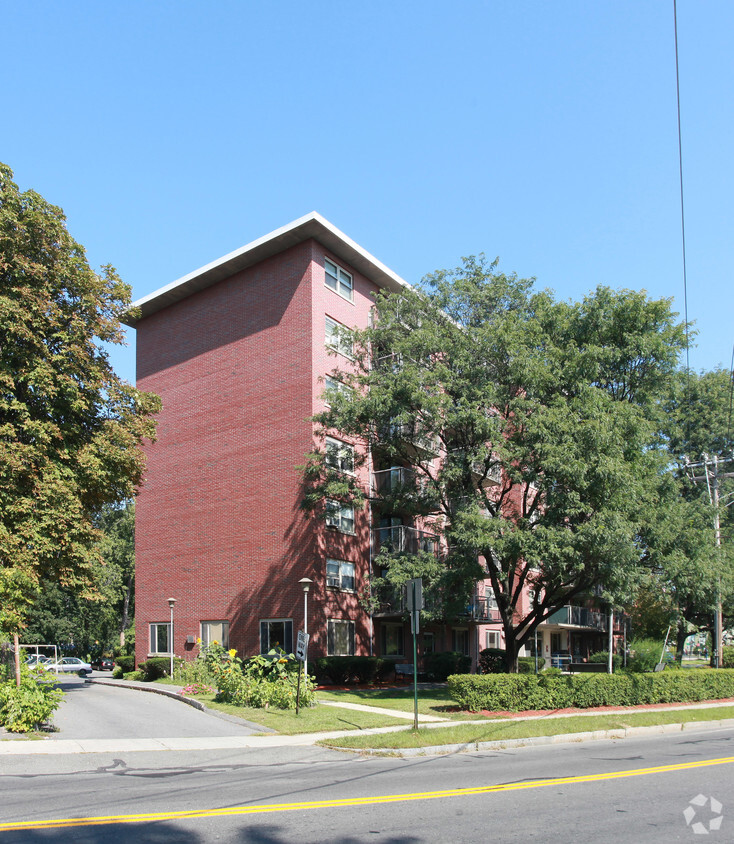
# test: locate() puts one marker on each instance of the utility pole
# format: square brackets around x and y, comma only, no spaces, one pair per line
[712,475]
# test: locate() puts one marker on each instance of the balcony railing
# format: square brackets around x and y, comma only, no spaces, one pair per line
[404,539]
[483,610]
[579,617]
[493,475]
[390,481]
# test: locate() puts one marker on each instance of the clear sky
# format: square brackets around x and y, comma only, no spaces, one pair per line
[544,133]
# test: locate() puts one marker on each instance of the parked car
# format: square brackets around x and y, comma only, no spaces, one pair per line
[34,660]
[103,663]
[69,664]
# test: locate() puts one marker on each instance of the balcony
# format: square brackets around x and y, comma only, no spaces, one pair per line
[579,617]
[408,432]
[402,539]
[487,476]
[482,610]
[393,480]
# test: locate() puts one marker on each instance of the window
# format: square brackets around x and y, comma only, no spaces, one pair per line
[429,643]
[339,638]
[392,640]
[215,631]
[340,574]
[339,455]
[276,633]
[160,638]
[494,639]
[338,280]
[460,640]
[338,338]
[333,387]
[340,516]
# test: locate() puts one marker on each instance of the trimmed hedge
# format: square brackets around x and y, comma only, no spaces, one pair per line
[516,692]
[346,670]
[439,666]
[155,668]
[126,663]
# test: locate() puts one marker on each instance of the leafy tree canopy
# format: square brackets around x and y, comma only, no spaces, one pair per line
[70,429]
[545,415]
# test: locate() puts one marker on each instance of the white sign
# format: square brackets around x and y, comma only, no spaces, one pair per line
[302,645]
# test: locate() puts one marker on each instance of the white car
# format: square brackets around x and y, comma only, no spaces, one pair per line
[70,664]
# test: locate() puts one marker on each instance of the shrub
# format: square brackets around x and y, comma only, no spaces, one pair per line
[526,664]
[126,663]
[727,655]
[344,670]
[155,668]
[29,706]
[603,657]
[134,675]
[264,681]
[644,655]
[440,665]
[501,692]
[492,661]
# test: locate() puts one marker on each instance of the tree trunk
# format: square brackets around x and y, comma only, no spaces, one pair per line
[511,653]
[680,641]
[125,610]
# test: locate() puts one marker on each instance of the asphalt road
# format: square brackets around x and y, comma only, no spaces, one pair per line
[631,790]
[94,711]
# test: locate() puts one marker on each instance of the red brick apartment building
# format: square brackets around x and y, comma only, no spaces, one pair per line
[238,351]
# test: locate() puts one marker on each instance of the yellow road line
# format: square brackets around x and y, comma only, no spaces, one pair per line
[355,801]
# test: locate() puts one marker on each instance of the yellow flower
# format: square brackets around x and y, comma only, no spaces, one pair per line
[233,652]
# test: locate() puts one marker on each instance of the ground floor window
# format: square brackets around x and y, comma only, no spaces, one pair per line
[493,639]
[276,633]
[215,631]
[160,638]
[429,643]
[460,641]
[340,637]
[392,640]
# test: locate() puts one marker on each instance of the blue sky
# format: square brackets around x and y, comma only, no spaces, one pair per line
[544,133]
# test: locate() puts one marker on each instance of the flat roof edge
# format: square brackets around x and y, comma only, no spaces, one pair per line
[310,226]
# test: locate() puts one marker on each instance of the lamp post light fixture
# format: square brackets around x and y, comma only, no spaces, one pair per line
[171,603]
[305,585]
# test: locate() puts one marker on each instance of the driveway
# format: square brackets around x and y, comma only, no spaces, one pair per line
[92,711]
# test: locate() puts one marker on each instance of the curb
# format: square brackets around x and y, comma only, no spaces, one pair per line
[536,741]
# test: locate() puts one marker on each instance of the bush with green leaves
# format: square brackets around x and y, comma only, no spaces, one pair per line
[603,657]
[126,663]
[644,655]
[263,681]
[727,655]
[515,692]
[31,705]
[155,668]
[440,665]
[492,661]
[347,670]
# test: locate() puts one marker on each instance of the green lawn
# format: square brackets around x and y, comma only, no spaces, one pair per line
[504,731]
[314,720]
[436,702]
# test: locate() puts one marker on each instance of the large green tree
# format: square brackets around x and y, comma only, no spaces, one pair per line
[544,416]
[70,428]
[692,570]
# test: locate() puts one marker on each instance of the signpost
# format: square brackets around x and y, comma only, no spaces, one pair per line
[414,603]
[301,653]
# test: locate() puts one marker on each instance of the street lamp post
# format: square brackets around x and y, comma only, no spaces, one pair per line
[305,585]
[171,603]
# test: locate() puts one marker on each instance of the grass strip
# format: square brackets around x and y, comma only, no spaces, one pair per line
[507,730]
[436,702]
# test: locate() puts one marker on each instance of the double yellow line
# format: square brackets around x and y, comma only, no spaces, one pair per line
[61,823]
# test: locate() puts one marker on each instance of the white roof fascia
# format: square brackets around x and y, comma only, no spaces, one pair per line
[310,226]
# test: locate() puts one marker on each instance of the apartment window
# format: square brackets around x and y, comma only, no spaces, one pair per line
[339,455]
[392,640]
[494,639]
[338,280]
[215,631]
[340,516]
[160,638]
[340,574]
[339,638]
[338,338]
[276,633]
[429,643]
[332,387]
[460,640]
